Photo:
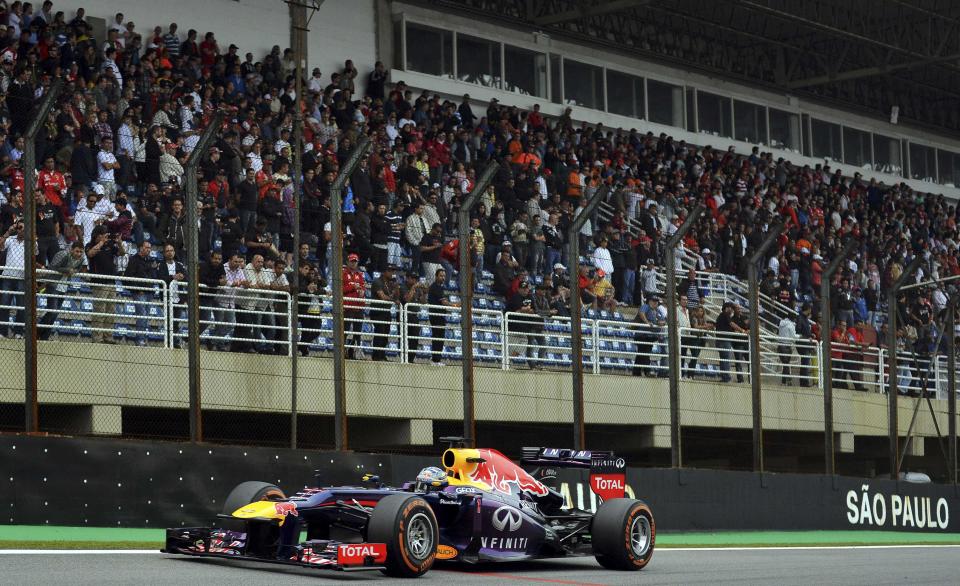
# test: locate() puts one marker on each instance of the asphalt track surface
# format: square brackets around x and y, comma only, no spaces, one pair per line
[862,565]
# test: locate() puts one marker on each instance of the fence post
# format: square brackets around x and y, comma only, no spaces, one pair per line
[826,358]
[336,288]
[673,335]
[31,407]
[466,301]
[952,387]
[892,388]
[576,335]
[193,277]
[755,370]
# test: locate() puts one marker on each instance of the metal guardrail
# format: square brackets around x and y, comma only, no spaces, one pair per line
[120,309]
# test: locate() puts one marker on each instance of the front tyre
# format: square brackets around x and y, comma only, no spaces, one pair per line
[250,492]
[623,534]
[407,525]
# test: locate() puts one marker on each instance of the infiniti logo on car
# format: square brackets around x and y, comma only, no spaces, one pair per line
[507,519]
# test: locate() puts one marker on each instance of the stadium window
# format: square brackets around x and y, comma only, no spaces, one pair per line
[827,140]
[713,114]
[784,130]
[856,148]
[526,71]
[923,162]
[556,80]
[690,99]
[665,103]
[625,94]
[948,167]
[749,122]
[886,155]
[429,50]
[582,84]
[478,61]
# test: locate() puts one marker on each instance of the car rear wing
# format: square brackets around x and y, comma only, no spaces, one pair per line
[561,458]
[608,473]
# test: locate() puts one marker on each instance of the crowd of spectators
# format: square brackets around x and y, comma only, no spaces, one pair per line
[112,153]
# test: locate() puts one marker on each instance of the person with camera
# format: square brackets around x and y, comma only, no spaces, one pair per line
[101,260]
[11,283]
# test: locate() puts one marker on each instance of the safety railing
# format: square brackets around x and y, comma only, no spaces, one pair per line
[108,309]
[790,361]
[235,318]
[718,356]
[85,306]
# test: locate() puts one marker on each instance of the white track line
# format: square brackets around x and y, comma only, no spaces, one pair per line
[660,550]
[663,549]
[79,552]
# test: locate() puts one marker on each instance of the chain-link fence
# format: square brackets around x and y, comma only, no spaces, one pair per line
[113,361]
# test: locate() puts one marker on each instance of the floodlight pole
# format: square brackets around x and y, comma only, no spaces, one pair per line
[31,406]
[826,356]
[336,287]
[755,370]
[466,302]
[892,386]
[673,334]
[952,387]
[576,334]
[193,276]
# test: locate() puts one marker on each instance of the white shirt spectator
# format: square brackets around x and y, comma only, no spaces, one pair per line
[228,295]
[15,257]
[127,147]
[787,329]
[256,162]
[602,260]
[105,175]
[86,219]
[110,66]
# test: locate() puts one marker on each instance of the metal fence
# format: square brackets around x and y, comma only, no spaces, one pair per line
[143,318]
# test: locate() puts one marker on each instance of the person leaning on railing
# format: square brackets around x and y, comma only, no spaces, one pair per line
[647,334]
[65,263]
[804,331]
[694,343]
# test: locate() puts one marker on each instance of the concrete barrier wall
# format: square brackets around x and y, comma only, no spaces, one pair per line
[94,482]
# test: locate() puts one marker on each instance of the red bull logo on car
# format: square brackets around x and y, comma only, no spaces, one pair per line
[491,470]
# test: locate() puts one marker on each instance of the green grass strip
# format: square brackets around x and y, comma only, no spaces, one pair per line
[802,538]
[53,537]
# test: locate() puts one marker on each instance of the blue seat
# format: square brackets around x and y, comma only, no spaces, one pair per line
[81,327]
[71,305]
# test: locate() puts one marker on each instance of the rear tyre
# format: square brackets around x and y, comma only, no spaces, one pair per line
[251,492]
[406,523]
[623,534]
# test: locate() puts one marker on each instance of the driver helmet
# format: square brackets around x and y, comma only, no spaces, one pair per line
[431,476]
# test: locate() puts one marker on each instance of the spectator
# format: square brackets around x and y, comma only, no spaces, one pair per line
[436,297]
[386,290]
[12,283]
[787,332]
[647,334]
[804,331]
[65,264]
[101,254]
[354,289]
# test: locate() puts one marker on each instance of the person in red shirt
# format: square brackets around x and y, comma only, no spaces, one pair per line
[846,352]
[354,295]
[52,183]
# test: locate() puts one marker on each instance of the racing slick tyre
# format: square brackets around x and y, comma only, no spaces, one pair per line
[406,523]
[251,491]
[623,534]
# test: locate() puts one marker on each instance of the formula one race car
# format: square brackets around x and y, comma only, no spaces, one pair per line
[480,507]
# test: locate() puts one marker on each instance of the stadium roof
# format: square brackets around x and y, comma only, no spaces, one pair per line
[862,55]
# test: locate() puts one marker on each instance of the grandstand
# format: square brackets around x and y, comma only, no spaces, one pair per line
[667,108]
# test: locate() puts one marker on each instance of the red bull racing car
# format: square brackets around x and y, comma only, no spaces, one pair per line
[479,507]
